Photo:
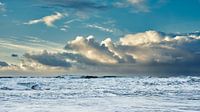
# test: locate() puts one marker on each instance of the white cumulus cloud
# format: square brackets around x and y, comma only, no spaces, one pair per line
[48,20]
[153,37]
[89,48]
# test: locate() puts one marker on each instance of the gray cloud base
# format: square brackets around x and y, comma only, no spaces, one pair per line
[49,59]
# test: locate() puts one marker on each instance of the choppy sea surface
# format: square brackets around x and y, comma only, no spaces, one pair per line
[108,94]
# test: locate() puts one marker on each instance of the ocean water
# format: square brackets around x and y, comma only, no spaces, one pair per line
[111,94]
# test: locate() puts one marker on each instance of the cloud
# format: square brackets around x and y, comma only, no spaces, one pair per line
[146,5]
[82,9]
[3,64]
[139,5]
[89,48]
[158,47]
[28,44]
[100,28]
[12,46]
[120,4]
[2,7]
[144,48]
[48,20]
[32,68]
[75,4]
[48,59]
[145,52]
[153,37]
[72,20]
[66,25]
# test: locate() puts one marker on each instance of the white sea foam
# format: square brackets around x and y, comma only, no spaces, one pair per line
[73,94]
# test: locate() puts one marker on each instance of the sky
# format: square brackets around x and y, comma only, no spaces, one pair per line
[45,37]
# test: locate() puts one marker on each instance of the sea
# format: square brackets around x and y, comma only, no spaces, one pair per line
[100,94]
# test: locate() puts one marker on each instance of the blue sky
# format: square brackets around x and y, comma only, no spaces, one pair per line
[120,16]
[124,34]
